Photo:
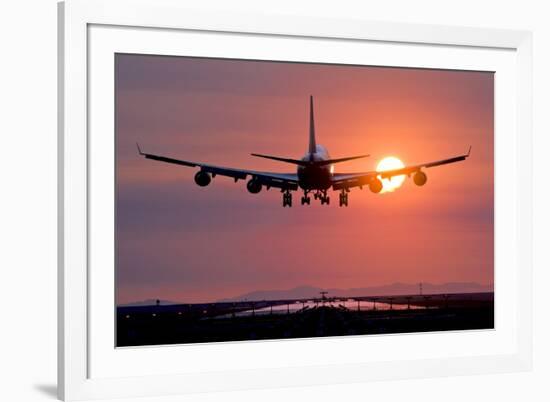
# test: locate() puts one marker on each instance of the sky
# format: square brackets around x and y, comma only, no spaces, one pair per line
[177,241]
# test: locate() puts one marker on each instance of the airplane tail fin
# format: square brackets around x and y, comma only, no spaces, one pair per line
[312,145]
[311,149]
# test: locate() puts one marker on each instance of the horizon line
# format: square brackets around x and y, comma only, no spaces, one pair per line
[238,298]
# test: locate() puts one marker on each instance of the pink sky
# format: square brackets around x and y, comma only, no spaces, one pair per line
[180,242]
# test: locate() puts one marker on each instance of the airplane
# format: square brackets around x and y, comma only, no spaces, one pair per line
[314,173]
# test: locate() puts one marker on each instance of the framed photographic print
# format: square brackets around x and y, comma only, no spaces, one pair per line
[255,201]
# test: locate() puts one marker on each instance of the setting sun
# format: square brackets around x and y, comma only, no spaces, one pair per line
[390,163]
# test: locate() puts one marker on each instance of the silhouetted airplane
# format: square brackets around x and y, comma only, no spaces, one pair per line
[315,173]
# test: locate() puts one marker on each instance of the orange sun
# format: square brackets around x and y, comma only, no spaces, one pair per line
[390,163]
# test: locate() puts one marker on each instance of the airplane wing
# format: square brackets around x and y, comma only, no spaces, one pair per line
[348,180]
[284,181]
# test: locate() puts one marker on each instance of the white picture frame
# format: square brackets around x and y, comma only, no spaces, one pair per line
[78,333]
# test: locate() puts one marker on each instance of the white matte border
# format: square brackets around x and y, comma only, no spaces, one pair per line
[106,361]
[73,150]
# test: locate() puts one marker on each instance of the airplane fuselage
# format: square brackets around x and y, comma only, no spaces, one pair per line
[315,177]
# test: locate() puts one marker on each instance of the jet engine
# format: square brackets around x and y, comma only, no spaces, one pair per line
[376,185]
[254,186]
[420,178]
[202,179]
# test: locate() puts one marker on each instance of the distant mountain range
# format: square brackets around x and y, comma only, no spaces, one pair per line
[302,292]
[148,302]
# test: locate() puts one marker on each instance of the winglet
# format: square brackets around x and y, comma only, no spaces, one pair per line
[469,150]
[139,149]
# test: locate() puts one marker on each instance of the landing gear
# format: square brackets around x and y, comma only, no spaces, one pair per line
[325,199]
[287,199]
[320,195]
[344,198]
